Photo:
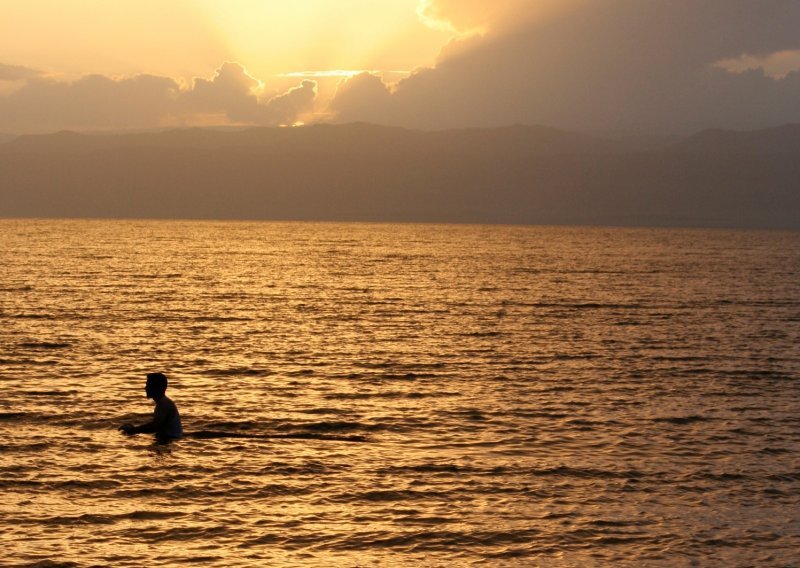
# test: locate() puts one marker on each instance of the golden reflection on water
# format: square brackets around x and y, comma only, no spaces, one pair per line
[529,396]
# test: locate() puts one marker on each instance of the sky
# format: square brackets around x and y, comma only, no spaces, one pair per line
[600,66]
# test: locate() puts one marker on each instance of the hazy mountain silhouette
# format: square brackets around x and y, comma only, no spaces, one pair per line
[5,137]
[782,140]
[516,174]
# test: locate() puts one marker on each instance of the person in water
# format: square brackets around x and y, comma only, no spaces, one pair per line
[166,422]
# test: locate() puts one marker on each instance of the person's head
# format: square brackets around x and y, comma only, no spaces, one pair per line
[156,385]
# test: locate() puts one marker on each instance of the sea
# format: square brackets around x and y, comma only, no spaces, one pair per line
[399,395]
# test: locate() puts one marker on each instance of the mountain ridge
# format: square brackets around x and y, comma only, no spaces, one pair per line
[362,172]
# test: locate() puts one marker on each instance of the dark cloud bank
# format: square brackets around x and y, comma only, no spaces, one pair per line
[98,102]
[646,66]
[369,173]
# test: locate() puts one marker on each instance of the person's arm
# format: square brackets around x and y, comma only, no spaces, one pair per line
[141,429]
[158,422]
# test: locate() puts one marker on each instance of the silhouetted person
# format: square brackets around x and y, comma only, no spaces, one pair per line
[166,422]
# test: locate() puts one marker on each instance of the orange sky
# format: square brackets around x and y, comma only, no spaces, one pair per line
[594,65]
[186,38]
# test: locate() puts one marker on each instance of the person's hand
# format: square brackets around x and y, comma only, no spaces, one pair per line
[126,428]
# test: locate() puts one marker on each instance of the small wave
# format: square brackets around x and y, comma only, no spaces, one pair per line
[618,523]
[50,564]
[435,540]
[417,394]
[584,424]
[677,358]
[726,476]
[773,375]
[301,373]
[389,395]
[85,519]
[217,435]
[338,426]
[681,420]
[231,425]
[308,468]
[220,318]
[397,377]
[790,476]
[13,415]
[700,371]
[393,495]
[774,451]
[16,288]
[558,388]
[20,448]
[575,357]
[51,393]
[185,533]
[29,362]
[44,345]
[403,366]
[236,371]
[152,515]
[157,276]
[69,484]
[472,414]
[85,484]
[403,374]
[425,468]
[541,414]
[325,410]
[482,334]
[567,471]
[582,305]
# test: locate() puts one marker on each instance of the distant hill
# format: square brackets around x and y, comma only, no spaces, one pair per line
[4,137]
[781,140]
[319,136]
[516,174]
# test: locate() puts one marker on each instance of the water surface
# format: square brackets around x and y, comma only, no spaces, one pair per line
[526,396]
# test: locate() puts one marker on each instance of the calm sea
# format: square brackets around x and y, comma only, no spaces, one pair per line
[416,395]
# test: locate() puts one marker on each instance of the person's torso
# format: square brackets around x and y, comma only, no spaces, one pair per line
[168,418]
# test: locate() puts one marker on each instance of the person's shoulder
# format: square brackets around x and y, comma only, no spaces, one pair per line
[165,402]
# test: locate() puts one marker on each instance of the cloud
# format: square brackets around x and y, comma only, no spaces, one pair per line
[622,65]
[291,105]
[590,65]
[94,101]
[234,92]
[231,91]
[17,72]
[363,97]
[146,101]
[463,16]
[777,65]
[480,16]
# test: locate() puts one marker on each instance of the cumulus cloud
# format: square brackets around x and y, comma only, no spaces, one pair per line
[777,65]
[462,16]
[231,91]
[293,104]
[480,16]
[17,72]
[363,97]
[623,65]
[145,101]
[94,101]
